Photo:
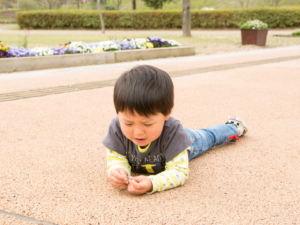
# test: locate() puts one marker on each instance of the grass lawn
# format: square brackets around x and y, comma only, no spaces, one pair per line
[205,44]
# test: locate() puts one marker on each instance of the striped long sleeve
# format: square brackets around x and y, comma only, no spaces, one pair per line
[176,173]
[115,160]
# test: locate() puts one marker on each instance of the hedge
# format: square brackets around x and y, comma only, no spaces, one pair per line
[158,19]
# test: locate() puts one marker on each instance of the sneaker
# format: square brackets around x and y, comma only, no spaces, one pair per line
[239,123]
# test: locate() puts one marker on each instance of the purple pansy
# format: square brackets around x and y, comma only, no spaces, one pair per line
[158,42]
[124,45]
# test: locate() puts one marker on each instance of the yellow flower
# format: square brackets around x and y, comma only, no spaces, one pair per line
[149,45]
[97,50]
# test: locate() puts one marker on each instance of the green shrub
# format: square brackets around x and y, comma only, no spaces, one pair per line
[154,19]
[107,7]
[296,32]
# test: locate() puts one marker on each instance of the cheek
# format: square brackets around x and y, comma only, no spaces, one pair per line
[127,132]
[154,132]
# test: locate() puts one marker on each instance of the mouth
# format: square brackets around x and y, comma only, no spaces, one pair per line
[139,140]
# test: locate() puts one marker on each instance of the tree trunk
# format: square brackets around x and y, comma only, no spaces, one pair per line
[247,3]
[119,3]
[242,3]
[101,17]
[6,4]
[204,3]
[269,2]
[57,3]
[133,5]
[78,4]
[186,18]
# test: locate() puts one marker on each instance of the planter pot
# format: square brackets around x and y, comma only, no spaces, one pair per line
[254,37]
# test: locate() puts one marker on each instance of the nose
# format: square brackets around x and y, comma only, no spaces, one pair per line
[138,131]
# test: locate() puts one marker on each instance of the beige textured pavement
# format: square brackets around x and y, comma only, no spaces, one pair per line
[53,164]
[21,81]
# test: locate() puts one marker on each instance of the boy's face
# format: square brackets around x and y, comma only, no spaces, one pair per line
[142,130]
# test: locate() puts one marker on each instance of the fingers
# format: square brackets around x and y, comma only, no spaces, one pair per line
[135,184]
[113,179]
[140,185]
[131,189]
[118,185]
[122,172]
[138,179]
[123,187]
[118,178]
[134,189]
[118,175]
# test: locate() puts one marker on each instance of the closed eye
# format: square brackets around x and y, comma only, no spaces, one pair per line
[127,124]
[148,125]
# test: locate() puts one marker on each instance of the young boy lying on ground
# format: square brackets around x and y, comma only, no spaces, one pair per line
[144,138]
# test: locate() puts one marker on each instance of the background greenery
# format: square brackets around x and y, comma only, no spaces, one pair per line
[160,19]
[126,4]
[217,4]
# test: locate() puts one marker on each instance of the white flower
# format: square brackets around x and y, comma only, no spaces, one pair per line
[174,43]
[43,51]
[254,24]
[80,47]
[131,41]
[140,43]
[108,45]
[207,8]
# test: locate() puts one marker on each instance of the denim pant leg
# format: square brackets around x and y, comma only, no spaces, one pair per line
[204,139]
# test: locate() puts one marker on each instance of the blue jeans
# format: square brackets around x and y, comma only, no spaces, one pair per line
[204,139]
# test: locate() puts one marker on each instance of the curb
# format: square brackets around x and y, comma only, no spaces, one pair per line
[283,35]
[10,65]
[8,22]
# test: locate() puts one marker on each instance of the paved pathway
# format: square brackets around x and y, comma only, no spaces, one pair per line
[53,164]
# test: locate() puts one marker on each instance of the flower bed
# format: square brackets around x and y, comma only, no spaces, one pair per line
[81,47]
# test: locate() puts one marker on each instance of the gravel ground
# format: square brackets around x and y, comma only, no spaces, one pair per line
[53,163]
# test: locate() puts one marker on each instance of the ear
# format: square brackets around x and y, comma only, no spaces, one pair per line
[168,116]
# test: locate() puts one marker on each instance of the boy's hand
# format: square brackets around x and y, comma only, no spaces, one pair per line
[139,185]
[118,178]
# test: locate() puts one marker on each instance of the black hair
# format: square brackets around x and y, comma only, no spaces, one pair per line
[144,89]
